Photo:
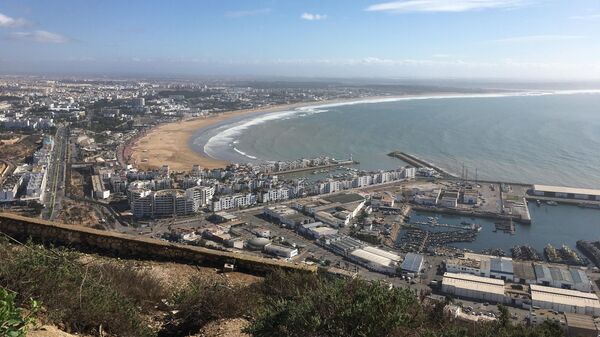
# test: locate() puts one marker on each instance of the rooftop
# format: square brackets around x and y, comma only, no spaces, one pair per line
[412,262]
[344,198]
[568,190]
[564,296]
[467,281]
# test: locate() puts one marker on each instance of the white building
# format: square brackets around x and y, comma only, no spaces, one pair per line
[468,266]
[273,194]
[281,251]
[565,300]
[474,287]
[376,259]
[233,201]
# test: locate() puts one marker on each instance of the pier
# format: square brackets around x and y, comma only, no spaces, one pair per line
[419,163]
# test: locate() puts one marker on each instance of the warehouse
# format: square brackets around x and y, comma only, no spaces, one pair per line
[319,231]
[474,287]
[524,272]
[502,268]
[374,262]
[565,300]
[412,264]
[285,215]
[384,253]
[561,277]
[566,192]
[477,267]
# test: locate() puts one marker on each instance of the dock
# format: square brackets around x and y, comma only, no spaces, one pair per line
[419,163]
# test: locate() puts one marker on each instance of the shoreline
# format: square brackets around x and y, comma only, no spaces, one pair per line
[171,143]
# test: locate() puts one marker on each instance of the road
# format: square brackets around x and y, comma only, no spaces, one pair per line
[57,168]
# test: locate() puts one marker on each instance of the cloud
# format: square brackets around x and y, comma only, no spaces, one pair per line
[7,21]
[313,17]
[539,38]
[407,6]
[585,17]
[253,12]
[40,36]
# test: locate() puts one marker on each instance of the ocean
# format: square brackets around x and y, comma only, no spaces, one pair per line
[526,137]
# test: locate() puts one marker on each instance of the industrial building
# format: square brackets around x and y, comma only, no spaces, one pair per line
[505,268]
[281,251]
[561,277]
[566,192]
[565,300]
[316,230]
[285,215]
[376,260]
[474,287]
[475,267]
[412,264]
[535,296]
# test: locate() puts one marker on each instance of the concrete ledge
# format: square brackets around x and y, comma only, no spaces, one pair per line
[128,246]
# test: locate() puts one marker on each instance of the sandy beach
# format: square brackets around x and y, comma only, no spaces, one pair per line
[169,143]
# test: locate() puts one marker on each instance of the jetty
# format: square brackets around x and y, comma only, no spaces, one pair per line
[419,163]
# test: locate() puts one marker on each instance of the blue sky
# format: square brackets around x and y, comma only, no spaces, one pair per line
[551,39]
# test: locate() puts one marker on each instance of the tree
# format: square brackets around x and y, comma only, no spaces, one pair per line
[504,318]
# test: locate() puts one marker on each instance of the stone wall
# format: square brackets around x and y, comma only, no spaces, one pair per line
[127,246]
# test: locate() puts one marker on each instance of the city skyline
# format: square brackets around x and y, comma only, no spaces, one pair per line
[520,39]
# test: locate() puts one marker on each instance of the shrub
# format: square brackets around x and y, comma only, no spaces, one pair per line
[80,297]
[13,321]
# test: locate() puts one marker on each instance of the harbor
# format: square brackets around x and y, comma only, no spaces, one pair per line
[320,168]
[561,225]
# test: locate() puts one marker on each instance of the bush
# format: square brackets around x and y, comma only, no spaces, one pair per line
[337,308]
[13,321]
[203,301]
[79,297]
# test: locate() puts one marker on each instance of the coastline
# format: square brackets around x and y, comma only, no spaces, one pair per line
[171,143]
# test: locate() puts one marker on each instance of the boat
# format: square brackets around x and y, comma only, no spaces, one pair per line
[551,203]
[538,202]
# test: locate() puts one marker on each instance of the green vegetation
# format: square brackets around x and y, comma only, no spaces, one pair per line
[77,295]
[13,320]
[87,294]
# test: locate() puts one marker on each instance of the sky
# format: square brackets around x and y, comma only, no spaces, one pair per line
[520,39]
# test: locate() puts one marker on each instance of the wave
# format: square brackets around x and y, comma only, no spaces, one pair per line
[244,153]
[227,134]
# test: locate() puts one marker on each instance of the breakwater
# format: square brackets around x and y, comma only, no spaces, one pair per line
[419,163]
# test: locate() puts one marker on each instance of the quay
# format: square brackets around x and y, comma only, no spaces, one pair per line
[419,163]
[320,167]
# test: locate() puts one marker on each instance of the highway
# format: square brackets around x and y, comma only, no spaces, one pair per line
[55,186]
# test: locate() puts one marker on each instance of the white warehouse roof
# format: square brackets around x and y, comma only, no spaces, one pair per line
[564,296]
[481,284]
[384,253]
[567,190]
[373,258]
